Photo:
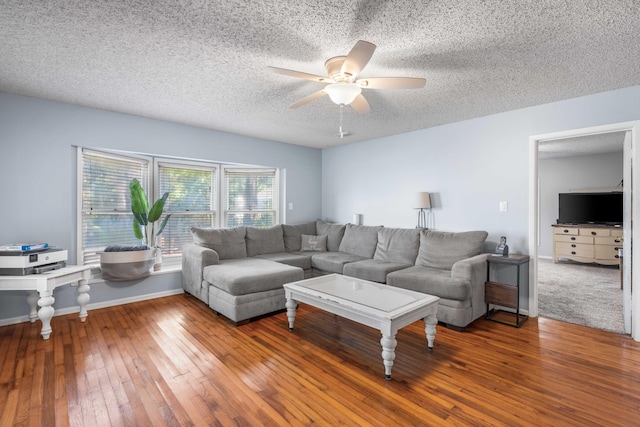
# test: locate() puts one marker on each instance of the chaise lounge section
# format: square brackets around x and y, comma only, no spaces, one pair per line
[239,272]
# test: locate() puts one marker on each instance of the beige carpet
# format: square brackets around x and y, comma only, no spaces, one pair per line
[583,294]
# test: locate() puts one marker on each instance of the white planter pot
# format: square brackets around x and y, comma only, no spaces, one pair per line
[127,265]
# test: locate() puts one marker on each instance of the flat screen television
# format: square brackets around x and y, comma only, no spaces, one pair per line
[590,208]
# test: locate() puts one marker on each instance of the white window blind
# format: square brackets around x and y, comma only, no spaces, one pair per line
[191,202]
[251,197]
[106,217]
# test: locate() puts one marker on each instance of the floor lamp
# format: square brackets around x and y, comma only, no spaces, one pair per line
[423,202]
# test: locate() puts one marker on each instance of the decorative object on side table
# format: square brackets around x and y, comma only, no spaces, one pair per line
[423,202]
[502,248]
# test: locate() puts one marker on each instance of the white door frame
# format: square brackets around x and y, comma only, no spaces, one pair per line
[634,129]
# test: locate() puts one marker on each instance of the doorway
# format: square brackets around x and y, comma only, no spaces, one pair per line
[631,301]
[588,294]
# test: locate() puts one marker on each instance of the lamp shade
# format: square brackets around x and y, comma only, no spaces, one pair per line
[423,201]
[343,92]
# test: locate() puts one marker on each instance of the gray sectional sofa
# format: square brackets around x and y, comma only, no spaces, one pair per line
[239,272]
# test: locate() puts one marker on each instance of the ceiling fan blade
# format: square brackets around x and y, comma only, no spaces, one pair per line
[308,99]
[357,59]
[392,83]
[361,105]
[301,75]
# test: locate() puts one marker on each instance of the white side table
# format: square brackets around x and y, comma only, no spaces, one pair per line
[40,291]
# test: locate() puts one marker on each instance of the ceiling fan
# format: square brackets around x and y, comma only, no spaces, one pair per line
[343,86]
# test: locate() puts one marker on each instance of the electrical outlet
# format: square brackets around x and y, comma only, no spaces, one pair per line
[290,206]
[504,207]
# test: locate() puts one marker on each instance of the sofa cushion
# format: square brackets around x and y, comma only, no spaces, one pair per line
[441,249]
[313,243]
[292,235]
[333,262]
[398,245]
[372,269]
[250,275]
[264,240]
[360,240]
[433,281]
[227,242]
[334,233]
[296,259]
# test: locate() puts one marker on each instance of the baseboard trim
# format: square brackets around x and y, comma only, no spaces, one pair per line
[97,305]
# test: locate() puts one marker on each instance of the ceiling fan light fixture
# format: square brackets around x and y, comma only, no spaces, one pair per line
[343,93]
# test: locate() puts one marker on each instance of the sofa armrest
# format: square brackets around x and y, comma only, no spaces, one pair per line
[474,270]
[194,259]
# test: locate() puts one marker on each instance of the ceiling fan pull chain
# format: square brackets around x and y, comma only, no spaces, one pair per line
[341,120]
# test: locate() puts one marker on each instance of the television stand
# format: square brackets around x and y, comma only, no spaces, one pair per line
[587,243]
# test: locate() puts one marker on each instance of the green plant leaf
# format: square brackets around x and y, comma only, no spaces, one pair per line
[162,224]
[156,210]
[141,218]
[136,229]
[139,202]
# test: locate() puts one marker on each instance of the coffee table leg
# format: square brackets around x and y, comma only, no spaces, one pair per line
[291,312]
[430,328]
[389,344]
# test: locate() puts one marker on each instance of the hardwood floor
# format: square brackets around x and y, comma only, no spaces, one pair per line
[172,361]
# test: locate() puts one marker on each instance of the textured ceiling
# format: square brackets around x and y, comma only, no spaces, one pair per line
[204,63]
[603,143]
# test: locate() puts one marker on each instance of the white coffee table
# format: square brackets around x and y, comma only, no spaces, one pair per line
[372,304]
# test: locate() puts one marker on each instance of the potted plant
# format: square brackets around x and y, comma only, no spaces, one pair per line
[145,218]
[132,262]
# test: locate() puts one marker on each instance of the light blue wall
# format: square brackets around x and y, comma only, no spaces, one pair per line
[38,176]
[469,166]
[600,171]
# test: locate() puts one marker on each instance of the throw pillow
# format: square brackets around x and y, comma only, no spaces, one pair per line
[313,243]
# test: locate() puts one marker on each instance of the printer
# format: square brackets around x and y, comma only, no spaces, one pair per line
[24,262]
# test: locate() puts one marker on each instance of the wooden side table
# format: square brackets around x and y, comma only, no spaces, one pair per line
[40,291]
[504,294]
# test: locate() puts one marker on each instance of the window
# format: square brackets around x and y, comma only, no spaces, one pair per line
[250,197]
[192,201]
[197,196]
[105,217]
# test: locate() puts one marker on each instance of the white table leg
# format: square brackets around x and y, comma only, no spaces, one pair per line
[291,312]
[83,299]
[32,300]
[389,344]
[46,312]
[430,328]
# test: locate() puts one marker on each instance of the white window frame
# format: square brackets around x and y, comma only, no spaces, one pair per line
[223,194]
